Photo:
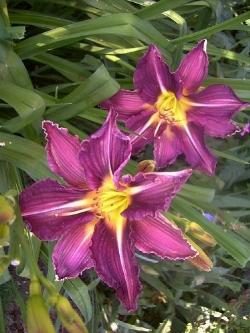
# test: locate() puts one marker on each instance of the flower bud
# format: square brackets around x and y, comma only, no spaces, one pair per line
[197,232]
[7,213]
[201,261]
[38,319]
[4,234]
[69,317]
[146,166]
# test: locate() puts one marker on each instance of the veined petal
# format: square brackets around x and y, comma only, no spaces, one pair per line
[213,109]
[167,147]
[105,153]
[153,191]
[143,125]
[126,103]
[152,76]
[193,68]
[62,154]
[157,235]
[49,208]
[195,150]
[115,262]
[72,255]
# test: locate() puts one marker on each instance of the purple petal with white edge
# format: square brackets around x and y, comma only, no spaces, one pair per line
[105,153]
[213,109]
[152,76]
[49,208]
[153,191]
[62,154]
[195,150]
[72,254]
[126,103]
[167,147]
[157,235]
[115,262]
[193,68]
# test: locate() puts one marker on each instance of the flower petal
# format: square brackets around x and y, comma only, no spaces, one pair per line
[49,208]
[195,150]
[115,262]
[105,153]
[152,76]
[72,254]
[153,191]
[126,103]
[193,68]
[157,235]
[167,147]
[213,108]
[62,154]
[143,126]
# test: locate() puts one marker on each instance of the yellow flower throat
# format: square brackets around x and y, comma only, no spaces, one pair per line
[172,110]
[111,200]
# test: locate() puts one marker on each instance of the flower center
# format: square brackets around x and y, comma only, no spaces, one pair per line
[171,109]
[112,201]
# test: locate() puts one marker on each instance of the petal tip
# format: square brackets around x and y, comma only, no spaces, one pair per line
[203,43]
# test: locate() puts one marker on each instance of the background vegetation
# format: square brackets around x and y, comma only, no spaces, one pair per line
[58,60]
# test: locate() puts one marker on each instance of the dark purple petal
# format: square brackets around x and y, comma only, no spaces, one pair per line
[153,191]
[49,209]
[126,103]
[115,261]
[62,154]
[157,235]
[193,68]
[213,109]
[143,127]
[105,153]
[72,254]
[195,150]
[152,76]
[167,147]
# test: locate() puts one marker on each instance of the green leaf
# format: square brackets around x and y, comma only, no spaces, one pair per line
[12,68]
[205,33]
[29,105]
[159,7]
[78,292]
[98,87]
[72,71]
[120,24]
[25,155]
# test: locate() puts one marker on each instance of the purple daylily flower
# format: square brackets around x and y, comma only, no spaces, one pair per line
[100,217]
[169,109]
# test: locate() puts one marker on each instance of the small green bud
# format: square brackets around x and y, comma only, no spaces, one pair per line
[4,234]
[69,317]
[38,319]
[7,213]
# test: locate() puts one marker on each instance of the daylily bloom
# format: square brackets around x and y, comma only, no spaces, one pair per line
[172,110]
[100,217]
